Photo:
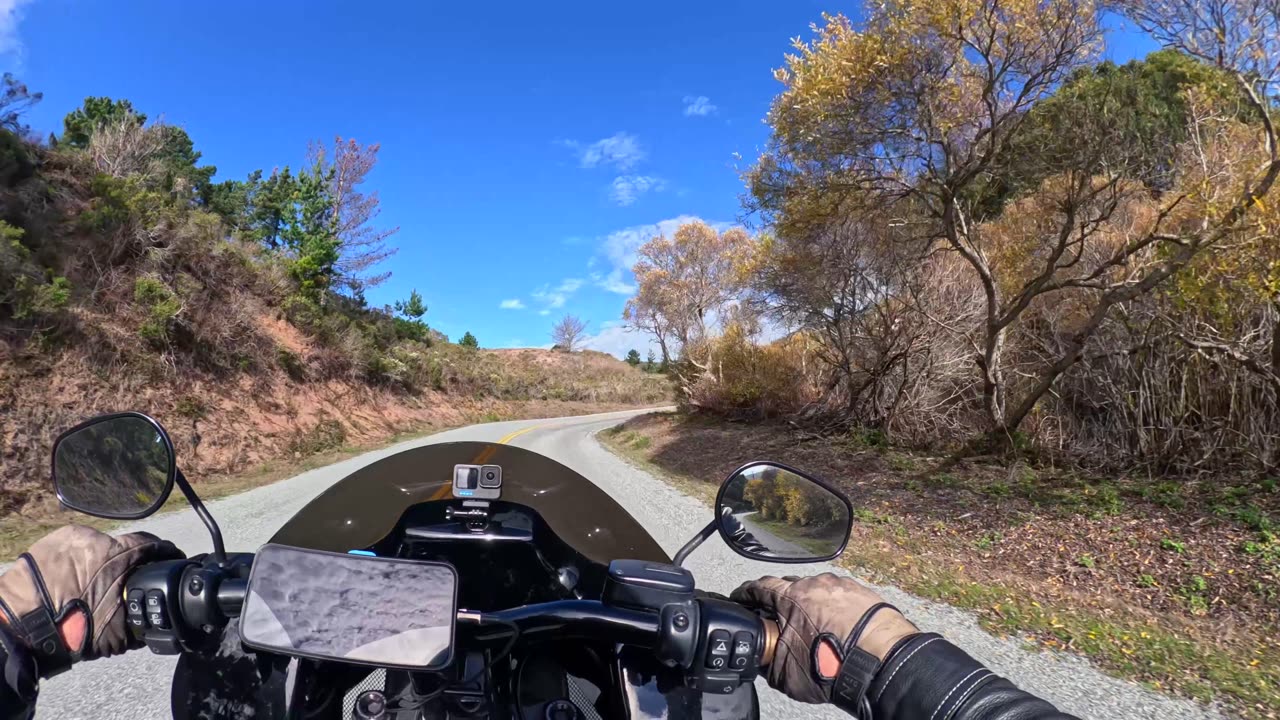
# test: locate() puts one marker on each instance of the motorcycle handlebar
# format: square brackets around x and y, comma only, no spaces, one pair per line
[573,618]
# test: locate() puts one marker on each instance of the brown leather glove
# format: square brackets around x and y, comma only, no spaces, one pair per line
[64,597]
[817,617]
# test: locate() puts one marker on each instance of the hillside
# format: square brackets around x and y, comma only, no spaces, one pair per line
[235,312]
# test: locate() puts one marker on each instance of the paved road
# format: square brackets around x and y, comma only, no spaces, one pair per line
[136,686]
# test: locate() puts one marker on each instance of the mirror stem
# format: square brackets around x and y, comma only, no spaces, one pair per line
[219,550]
[693,544]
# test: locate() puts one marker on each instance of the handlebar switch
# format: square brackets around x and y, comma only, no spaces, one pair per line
[678,625]
[728,651]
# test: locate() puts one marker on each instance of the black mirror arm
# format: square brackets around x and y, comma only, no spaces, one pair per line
[219,550]
[697,540]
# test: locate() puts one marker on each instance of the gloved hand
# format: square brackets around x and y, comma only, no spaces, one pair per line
[816,617]
[63,599]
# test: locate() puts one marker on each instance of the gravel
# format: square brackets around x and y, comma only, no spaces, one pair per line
[137,685]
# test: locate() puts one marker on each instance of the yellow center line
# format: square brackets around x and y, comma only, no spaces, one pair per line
[512,436]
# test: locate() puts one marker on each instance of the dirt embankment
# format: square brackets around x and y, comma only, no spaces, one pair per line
[224,425]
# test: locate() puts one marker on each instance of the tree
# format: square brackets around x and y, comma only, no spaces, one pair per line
[684,284]
[361,245]
[469,340]
[920,107]
[633,357]
[568,333]
[79,125]
[309,234]
[413,308]
[15,99]
[650,363]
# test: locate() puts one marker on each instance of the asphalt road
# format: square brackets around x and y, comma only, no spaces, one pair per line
[136,685]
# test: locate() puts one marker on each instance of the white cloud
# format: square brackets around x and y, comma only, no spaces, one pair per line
[512,304]
[699,106]
[554,298]
[619,250]
[616,339]
[10,16]
[621,150]
[626,189]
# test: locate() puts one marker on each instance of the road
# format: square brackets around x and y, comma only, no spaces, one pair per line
[136,685]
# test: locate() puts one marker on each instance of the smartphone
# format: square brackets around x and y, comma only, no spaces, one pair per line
[352,608]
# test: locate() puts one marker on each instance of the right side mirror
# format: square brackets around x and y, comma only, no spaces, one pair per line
[114,466]
[770,512]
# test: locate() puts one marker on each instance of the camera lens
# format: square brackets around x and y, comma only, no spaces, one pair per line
[489,475]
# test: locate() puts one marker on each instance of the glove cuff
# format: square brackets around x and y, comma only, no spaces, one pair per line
[858,667]
[38,628]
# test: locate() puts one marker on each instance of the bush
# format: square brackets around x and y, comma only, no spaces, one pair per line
[29,291]
[162,306]
[744,378]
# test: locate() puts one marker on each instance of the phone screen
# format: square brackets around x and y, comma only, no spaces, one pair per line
[350,608]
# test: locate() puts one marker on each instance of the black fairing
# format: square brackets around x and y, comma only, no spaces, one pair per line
[552,523]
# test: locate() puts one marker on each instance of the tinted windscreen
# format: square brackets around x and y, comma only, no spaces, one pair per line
[353,608]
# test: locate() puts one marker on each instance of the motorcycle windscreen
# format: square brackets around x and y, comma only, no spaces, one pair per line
[350,608]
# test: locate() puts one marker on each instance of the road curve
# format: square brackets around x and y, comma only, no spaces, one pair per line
[137,685]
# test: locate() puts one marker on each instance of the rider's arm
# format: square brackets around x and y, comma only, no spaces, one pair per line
[18,681]
[841,643]
[926,676]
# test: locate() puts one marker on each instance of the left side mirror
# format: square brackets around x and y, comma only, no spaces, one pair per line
[114,466]
[768,511]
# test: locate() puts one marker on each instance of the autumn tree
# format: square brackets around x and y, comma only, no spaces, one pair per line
[362,246]
[685,283]
[567,333]
[923,104]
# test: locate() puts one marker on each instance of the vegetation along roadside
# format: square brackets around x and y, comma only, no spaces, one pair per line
[1169,584]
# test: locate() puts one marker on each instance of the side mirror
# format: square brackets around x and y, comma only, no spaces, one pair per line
[768,511]
[114,466]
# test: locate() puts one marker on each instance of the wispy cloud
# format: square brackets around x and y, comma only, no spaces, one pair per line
[10,16]
[616,339]
[619,248]
[699,106]
[626,189]
[512,304]
[554,298]
[621,150]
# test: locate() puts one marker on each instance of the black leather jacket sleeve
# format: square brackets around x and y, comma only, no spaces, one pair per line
[17,679]
[928,677]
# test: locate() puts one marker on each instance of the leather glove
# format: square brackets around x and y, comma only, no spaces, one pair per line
[64,597]
[824,622]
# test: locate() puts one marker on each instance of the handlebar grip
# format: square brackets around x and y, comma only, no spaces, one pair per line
[769,644]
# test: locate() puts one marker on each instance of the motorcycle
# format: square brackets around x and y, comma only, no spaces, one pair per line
[454,580]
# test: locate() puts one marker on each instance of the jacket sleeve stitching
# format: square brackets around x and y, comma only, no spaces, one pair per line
[964,697]
[949,694]
[900,666]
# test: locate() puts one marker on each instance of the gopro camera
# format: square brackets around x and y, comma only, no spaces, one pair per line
[477,482]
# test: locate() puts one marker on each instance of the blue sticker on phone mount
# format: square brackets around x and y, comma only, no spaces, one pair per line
[362,552]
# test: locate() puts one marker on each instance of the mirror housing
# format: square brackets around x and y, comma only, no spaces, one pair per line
[774,513]
[119,466]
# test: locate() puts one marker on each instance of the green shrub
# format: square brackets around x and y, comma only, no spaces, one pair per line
[162,307]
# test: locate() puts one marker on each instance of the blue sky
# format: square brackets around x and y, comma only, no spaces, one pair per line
[527,147]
